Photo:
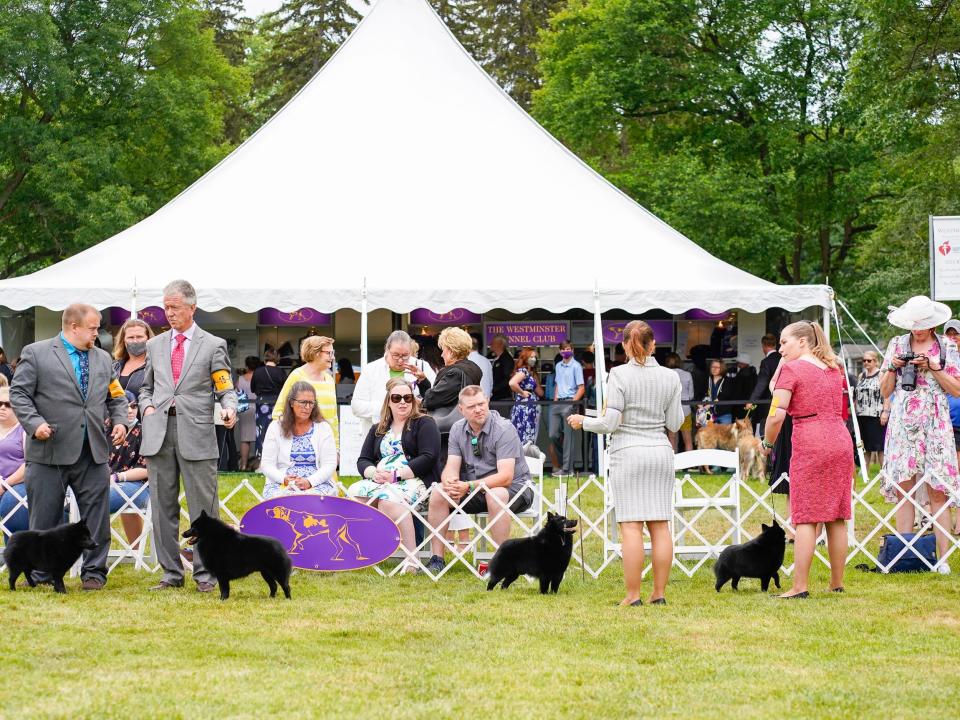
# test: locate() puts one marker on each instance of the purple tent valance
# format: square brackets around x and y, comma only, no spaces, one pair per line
[301,317]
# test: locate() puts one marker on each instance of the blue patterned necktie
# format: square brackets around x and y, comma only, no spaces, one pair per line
[84,372]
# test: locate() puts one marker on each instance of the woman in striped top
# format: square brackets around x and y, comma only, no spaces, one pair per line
[642,403]
[316,352]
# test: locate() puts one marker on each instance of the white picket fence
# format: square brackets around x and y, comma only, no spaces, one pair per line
[708,517]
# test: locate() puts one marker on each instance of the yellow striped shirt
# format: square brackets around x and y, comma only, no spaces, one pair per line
[326,398]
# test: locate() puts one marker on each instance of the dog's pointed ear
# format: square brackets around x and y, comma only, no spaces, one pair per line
[550,515]
[766,527]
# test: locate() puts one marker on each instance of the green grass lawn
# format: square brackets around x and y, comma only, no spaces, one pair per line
[357,645]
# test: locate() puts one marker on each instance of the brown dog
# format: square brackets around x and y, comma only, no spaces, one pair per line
[722,436]
[753,463]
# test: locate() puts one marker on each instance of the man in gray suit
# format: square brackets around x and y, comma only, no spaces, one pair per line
[61,393]
[187,369]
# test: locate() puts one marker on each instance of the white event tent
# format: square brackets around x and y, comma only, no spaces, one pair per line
[403,151]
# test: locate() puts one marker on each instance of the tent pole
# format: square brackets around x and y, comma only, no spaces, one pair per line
[826,320]
[133,299]
[600,371]
[363,327]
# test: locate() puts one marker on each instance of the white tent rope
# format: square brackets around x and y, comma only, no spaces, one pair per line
[859,326]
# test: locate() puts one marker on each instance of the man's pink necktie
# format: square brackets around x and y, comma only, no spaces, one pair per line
[176,357]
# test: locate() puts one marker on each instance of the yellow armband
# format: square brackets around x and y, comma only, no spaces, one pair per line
[773,407]
[221,380]
[116,390]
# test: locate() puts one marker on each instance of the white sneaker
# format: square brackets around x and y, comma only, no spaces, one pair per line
[943,568]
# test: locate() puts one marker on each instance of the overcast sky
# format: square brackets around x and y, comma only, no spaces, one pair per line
[257,7]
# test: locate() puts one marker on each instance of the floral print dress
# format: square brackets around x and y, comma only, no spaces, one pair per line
[526,412]
[919,432]
[392,457]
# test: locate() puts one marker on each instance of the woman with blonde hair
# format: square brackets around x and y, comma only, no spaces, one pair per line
[130,353]
[457,372]
[642,403]
[399,457]
[809,385]
[316,352]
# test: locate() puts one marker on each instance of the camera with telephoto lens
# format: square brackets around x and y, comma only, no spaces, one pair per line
[908,380]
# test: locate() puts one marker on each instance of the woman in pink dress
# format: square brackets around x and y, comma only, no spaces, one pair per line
[810,387]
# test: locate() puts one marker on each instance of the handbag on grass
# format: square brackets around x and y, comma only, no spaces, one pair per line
[925,547]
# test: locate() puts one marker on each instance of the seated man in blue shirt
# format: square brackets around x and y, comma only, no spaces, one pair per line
[568,386]
[485,463]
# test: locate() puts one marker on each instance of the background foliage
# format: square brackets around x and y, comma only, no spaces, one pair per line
[804,140]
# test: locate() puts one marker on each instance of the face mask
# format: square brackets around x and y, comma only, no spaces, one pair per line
[531,361]
[566,354]
[136,348]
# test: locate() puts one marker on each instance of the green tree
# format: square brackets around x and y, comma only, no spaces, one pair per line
[107,110]
[729,119]
[906,75]
[298,39]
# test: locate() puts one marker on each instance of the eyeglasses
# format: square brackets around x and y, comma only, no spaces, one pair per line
[866,360]
[305,403]
[400,356]
[402,399]
[475,445]
[4,404]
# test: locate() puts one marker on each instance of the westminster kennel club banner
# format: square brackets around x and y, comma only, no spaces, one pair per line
[324,532]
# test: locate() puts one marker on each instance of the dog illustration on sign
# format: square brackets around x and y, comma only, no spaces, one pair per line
[306,525]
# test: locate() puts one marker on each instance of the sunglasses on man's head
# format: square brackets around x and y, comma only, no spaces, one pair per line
[396,398]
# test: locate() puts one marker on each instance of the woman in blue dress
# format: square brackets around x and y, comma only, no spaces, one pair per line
[526,392]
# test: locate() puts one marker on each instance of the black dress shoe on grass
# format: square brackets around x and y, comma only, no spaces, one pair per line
[659,601]
[165,585]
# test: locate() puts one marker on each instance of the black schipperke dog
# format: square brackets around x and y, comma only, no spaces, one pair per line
[48,551]
[758,558]
[544,556]
[229,555]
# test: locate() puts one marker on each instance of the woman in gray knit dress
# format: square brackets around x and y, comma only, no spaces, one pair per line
[642,402]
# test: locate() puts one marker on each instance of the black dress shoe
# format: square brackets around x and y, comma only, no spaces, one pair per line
[166,585]
[799,596]
[659,601]
[205,587]
[92,584]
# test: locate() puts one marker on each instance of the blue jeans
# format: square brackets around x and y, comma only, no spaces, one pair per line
[20,519]
[129,489]
[724,419]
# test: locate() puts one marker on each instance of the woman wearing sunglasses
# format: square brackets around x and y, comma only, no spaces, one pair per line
[299,452]
[12,467]
[400,455]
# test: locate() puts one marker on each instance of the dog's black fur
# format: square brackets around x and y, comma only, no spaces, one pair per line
[758,558]
[544,556]
[48,551]
[230,555]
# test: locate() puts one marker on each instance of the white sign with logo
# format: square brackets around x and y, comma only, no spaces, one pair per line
[945,258]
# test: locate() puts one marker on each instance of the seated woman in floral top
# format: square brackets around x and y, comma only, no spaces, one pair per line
[398,459]
[128,475]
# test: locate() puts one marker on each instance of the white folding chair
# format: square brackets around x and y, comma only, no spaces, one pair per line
[534,513]
[700,501]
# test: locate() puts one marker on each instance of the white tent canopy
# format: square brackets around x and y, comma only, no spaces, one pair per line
[402,168]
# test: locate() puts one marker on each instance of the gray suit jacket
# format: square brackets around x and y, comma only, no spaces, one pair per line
[195,395]
[45,389]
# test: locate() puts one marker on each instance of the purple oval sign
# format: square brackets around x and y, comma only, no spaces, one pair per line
[325,532]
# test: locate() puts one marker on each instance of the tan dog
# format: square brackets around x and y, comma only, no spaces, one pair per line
[722,436]
[753,463]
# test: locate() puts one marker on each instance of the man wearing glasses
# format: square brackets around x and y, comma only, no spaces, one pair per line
[371,388]
[486,471]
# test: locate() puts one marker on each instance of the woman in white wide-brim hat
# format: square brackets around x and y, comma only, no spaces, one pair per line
[919,446]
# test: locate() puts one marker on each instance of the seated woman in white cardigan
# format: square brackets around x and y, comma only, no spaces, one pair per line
[299,450]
